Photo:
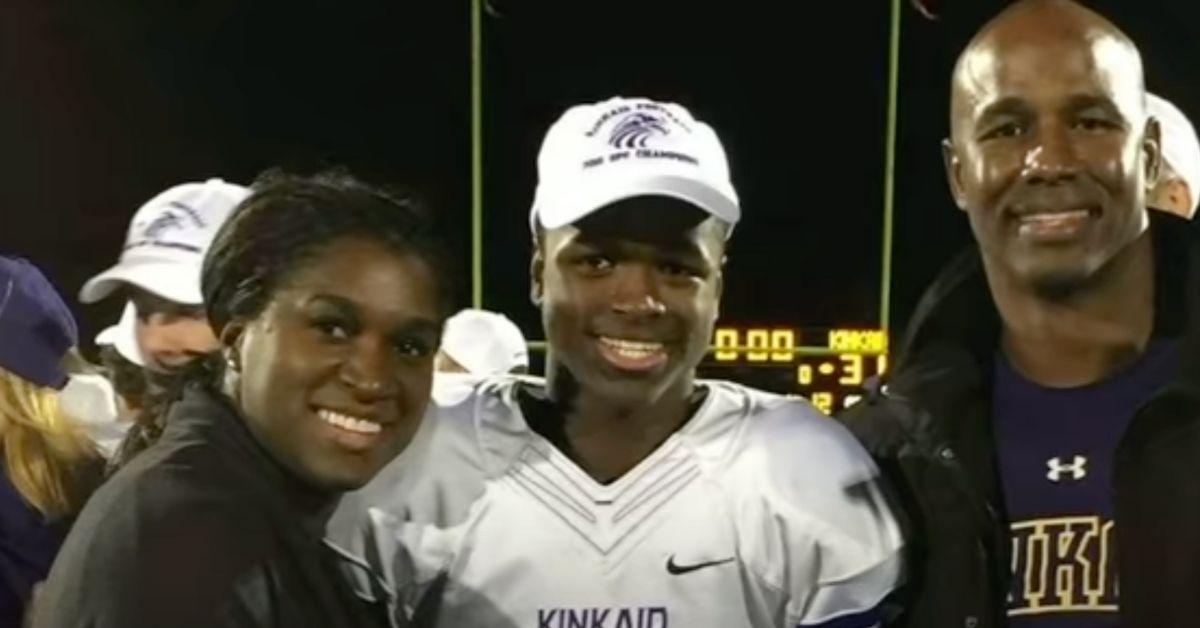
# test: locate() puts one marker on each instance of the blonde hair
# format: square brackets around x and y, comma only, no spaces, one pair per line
[46,454]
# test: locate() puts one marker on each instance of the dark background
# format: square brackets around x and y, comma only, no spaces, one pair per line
[104,104]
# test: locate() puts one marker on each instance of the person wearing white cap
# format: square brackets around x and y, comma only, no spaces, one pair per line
[480,342]
[620,490]
[1178,187]
[162,327]
[159,273]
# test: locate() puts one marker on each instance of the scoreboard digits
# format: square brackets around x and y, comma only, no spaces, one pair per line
[762,345]
[827,366]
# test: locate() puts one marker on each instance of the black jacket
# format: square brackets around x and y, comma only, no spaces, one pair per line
[203,528]
[931,434]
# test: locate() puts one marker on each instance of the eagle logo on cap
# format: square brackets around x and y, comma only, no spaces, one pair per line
[634,129]
[175,217]
[164,222]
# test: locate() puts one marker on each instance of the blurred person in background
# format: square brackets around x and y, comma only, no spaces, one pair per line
[1178,187]
[476,345]
[162,327]
[50,466]
[482,343]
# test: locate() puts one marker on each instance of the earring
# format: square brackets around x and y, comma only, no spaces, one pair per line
[230,363]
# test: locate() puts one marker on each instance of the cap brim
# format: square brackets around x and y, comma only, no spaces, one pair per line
[554,211]
[170,280]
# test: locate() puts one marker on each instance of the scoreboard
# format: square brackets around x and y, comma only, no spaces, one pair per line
[826,366]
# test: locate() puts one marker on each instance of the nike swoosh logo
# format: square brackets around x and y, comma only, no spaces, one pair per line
[675,569]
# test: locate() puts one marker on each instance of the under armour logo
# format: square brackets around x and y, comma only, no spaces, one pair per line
[1077,468]
[635,129]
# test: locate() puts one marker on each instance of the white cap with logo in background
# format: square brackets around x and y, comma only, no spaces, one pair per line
[601,153]
[484,343]
[167,239]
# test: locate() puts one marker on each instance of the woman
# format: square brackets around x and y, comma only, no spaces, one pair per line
[328,299]
[49,464]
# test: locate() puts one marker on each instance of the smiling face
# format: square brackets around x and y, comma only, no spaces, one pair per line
[1051,148]
[335,372]
[629,296]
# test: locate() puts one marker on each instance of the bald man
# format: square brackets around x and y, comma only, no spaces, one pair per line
[1042,425]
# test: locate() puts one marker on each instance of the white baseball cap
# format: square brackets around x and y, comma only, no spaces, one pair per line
[598,154]
[1180,146]
[167,241]
[123,336]
[484,343]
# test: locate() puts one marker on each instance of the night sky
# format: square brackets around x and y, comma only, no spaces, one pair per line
[105,104]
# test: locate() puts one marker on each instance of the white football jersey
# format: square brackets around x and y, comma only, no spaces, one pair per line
[759,511]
